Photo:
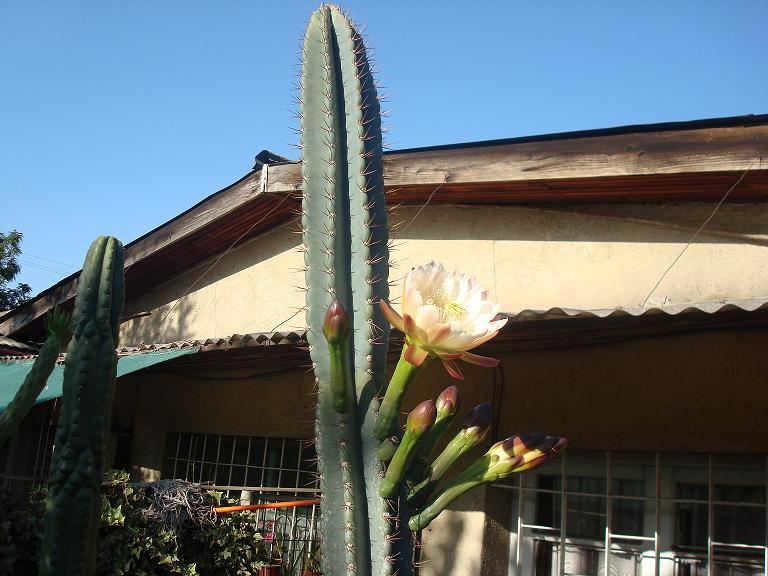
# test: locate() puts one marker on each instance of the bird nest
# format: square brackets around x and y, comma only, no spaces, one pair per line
[178,504]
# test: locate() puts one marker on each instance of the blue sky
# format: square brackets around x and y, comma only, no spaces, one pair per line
[116,116]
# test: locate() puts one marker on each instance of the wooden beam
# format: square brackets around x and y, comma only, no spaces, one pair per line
[639,154]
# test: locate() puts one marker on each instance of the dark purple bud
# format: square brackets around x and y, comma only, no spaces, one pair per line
[478,420]
[447,402]
[421,418]
[336,323]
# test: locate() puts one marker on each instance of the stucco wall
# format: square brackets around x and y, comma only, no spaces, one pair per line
[687,392]
[597,257]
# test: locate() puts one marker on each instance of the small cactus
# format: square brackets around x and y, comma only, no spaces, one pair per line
[90,367]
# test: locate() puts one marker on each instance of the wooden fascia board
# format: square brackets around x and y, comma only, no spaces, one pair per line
[638,154]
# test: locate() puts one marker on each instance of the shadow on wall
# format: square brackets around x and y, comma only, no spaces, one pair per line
[441,555]
[189,303]
[169,323]
[640,223]
[453,544]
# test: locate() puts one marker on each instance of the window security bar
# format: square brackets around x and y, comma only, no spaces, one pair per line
[716,556]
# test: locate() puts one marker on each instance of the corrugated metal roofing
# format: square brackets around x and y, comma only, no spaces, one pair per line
[12,373]
[621,316]
[715,307]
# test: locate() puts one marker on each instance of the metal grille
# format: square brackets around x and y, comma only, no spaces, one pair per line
[642,514]
[256,470]
[25,459]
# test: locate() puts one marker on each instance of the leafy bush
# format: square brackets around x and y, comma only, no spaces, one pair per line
[131,543]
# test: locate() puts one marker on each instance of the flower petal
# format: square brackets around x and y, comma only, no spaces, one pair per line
[437,333]
[427,316]
[415,354]
[391,315]
[483,361]
[452,369]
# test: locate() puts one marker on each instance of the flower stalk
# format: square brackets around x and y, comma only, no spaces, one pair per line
[447,405]
[389,410]
[473,430]
[513,455]
[420,421]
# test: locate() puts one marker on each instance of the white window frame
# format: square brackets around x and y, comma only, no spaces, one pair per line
[659,477]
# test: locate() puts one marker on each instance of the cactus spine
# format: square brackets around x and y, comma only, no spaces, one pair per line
[74,502]
[345,237]
[58,327]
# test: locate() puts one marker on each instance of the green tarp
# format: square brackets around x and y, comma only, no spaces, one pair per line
[12,373]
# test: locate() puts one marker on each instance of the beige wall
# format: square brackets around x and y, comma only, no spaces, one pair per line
[599,257]
[688,392]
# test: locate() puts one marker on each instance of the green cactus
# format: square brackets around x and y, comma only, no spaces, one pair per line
[364,512]
[58,327]
[345,237]
[90,367]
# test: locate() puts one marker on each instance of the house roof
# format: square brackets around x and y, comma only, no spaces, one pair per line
[683,161]
[9,347]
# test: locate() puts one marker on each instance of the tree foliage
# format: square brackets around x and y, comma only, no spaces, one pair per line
[10,248]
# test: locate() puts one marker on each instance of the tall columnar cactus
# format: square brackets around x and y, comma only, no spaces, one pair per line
[90,367]
[345,237]
[58,327]
[366,472]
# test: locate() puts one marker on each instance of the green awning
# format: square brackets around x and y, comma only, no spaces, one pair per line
[12,373]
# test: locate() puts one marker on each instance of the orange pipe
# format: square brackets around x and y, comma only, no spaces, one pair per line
[225,509]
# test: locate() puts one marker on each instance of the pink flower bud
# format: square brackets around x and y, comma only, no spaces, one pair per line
[447,402]
[336,323]
[422,417]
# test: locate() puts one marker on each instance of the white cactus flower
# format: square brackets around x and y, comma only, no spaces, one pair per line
[445,314]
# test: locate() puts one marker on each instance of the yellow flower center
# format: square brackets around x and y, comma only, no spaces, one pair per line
[449,310]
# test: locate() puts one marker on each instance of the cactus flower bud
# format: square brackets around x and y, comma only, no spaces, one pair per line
[520,453]
[421,418]
[448,402]
[478,421]
[336,330]
[475,426]
[513,455]
[336,323]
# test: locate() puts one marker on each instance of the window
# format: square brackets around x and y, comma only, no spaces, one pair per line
[25,459]
[641,514]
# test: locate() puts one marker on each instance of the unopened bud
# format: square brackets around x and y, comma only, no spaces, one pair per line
[447,402]
[336,323]
[477,421]
[523,452]
[421,418]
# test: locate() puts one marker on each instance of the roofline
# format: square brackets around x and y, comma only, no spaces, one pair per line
[678,161]
[704,123]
